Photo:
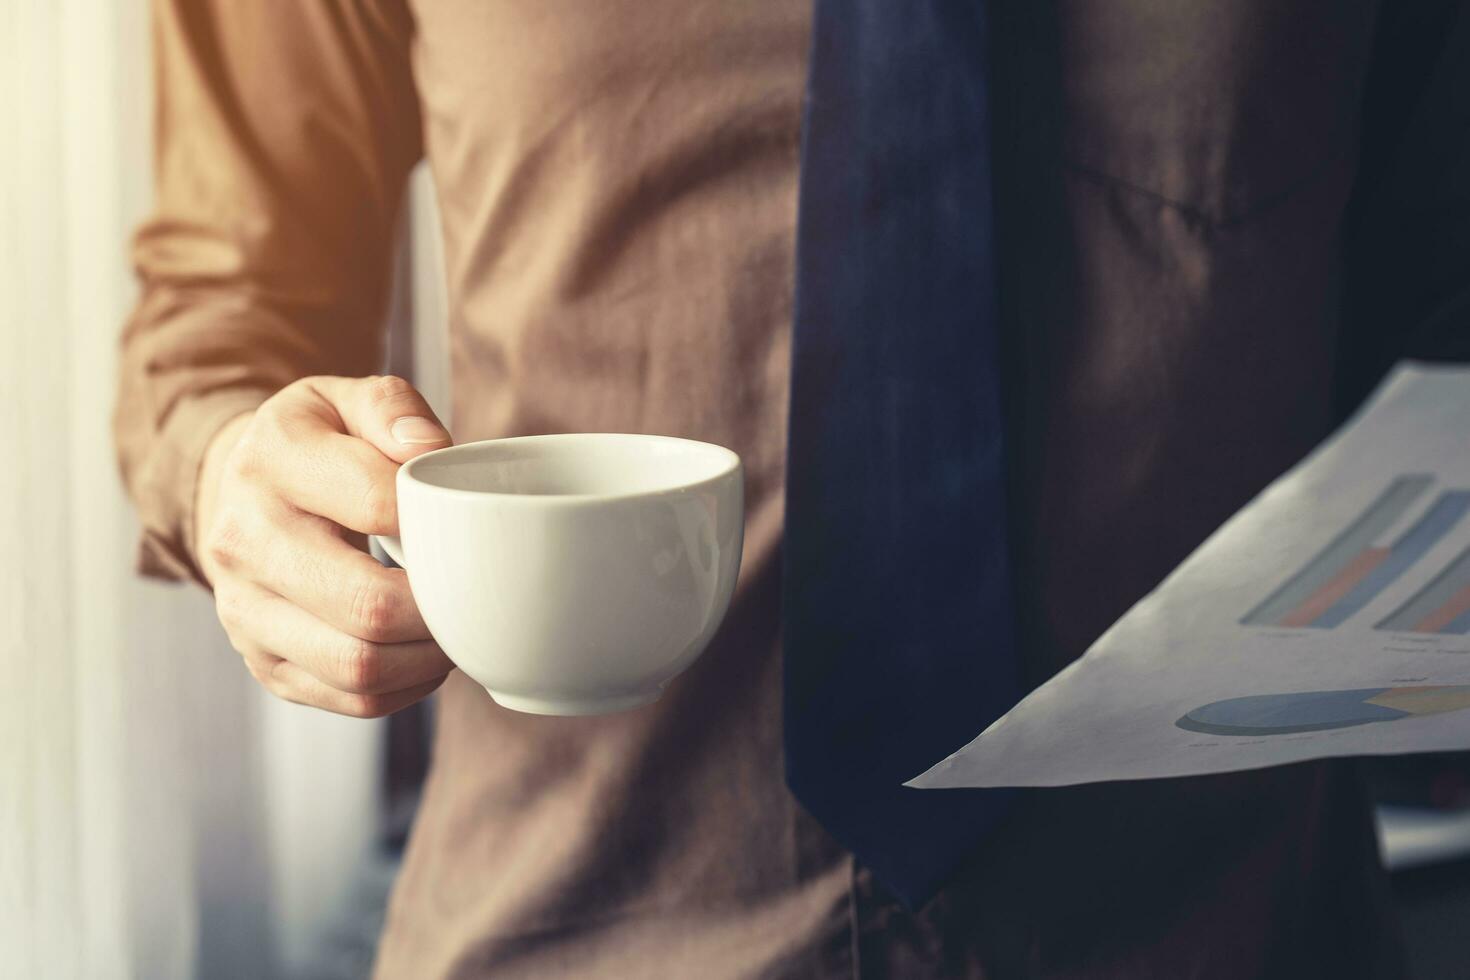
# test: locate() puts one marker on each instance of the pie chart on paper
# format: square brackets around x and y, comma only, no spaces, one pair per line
[1316,711]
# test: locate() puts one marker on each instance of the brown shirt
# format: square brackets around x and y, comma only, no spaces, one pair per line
[618,186]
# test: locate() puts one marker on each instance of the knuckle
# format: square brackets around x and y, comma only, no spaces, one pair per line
[366,706]
[284,412]
[226,541]
[260,669]
[379,505]
[244,463]
[386,388]
[262,675]
[267,428]
[248,461]
[373,611]
[362,666]
[300,388]
[276,405]
[229,606]
[274,681]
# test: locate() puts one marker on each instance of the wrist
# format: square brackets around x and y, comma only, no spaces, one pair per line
[211,467]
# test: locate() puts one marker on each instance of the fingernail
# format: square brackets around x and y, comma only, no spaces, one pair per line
[415,430]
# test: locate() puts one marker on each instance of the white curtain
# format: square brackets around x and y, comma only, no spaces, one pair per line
[159,816]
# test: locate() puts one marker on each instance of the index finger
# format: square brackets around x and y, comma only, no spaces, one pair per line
[306,460]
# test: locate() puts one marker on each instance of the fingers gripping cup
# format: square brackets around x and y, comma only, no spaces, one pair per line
[572,574]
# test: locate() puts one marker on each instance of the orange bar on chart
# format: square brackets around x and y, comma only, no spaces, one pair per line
[1334,589]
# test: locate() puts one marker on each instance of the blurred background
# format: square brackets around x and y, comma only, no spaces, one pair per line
[160,816]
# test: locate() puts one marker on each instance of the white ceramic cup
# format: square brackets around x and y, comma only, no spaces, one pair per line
[572,574]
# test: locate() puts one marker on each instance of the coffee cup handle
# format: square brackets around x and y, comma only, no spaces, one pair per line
[392,546]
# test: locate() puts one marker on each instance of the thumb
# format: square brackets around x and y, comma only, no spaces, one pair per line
[389,413]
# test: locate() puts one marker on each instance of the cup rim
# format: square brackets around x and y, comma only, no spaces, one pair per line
[732,464]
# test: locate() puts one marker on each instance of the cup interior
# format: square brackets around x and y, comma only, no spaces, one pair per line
[574,465]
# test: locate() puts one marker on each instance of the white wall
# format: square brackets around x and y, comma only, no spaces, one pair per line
[159,816]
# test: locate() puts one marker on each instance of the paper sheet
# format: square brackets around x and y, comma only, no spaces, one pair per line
[1329,617]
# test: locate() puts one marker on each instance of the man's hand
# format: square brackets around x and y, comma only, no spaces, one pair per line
[285,493]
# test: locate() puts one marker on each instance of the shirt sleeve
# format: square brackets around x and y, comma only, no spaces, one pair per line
[285,131]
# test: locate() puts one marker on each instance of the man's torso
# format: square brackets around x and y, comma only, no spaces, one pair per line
[618,188]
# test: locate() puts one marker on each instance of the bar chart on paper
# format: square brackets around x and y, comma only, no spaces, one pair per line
[1387,541]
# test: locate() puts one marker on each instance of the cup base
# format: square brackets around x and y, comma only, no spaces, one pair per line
[577,706]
